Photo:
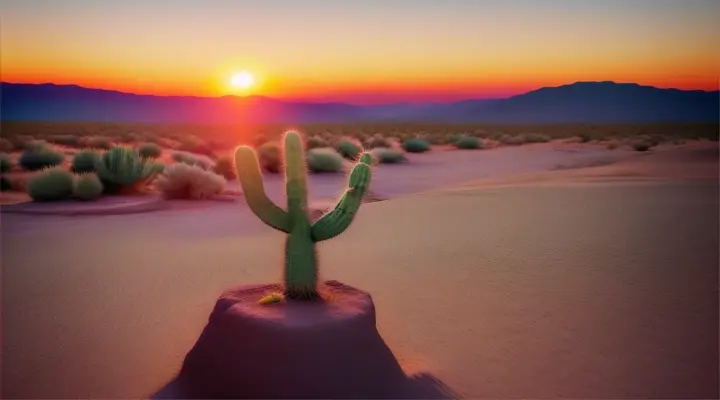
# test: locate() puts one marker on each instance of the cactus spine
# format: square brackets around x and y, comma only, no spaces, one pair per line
[301,270]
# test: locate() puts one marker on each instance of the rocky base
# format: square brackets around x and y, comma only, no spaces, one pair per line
[292,349]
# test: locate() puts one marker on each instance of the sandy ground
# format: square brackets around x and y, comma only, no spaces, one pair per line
[592,290]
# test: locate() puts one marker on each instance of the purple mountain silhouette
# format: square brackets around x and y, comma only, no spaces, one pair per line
[581,102]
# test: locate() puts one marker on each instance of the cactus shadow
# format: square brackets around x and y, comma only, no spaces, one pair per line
[417,386]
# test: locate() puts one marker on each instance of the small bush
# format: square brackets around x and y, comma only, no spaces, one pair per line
[534,138]
[87,186]
[324,159]
[314,142]
[122,170]
[509,140]
[99,142]
[37,145]
[270,157]
[43,157]
[5,163]
[149,150]
[468,143]
[184,157]
[378,141]
[678,141]
[226,167]
[641,146]
[50,185]
[612,146]
[193,159]
[385,155]
[348,149]
[84,161]
[585,138]
[184,181]
[416,145]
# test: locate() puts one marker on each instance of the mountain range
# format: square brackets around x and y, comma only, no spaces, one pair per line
[580,102]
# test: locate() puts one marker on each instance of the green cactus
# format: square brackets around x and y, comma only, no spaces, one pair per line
[301,270]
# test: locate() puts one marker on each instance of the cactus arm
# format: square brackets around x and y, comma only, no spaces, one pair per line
[339,219]
[248,173]
[295,176]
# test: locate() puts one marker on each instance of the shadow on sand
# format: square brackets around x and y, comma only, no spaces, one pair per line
[417,386]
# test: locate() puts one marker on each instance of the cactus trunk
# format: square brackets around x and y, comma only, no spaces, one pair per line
[301,273]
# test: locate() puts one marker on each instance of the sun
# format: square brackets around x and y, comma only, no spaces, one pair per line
[242,80]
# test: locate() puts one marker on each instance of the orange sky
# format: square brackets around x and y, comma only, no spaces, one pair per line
[363,52]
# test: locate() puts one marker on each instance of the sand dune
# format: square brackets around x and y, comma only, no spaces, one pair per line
[575,291]
[695,161]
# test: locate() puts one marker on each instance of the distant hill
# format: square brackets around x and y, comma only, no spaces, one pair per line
[581,102]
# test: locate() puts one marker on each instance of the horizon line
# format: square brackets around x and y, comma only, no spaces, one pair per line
[303,100]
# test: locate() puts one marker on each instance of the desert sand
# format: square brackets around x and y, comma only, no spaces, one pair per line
[603,288]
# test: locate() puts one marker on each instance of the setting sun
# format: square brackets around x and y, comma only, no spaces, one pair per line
[243,80]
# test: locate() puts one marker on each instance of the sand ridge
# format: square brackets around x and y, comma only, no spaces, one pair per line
[694,161]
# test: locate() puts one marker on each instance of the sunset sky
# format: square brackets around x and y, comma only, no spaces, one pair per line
[369,51]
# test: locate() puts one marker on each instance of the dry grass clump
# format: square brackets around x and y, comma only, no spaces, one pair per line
[184,181]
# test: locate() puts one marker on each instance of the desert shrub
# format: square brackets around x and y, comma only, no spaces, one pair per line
[468,142]
[612,146]
[98,142]
[193,159]
[5,184]
[184,157]
[184,181]
[84,161]
[348,149]
[66,140]
[678,141]
[5,163]
[168,143]
[43,157]
[416,145]
[534,138]
[377,141]
[324,159]
[314,142]
[585,138]
[50,184]
[270,157]
[149,150]
[87,186]
[385,155]
[510,140]
[6,145]
[122,170]
[225,166]
[193,144]
[36,145]
[641,146]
